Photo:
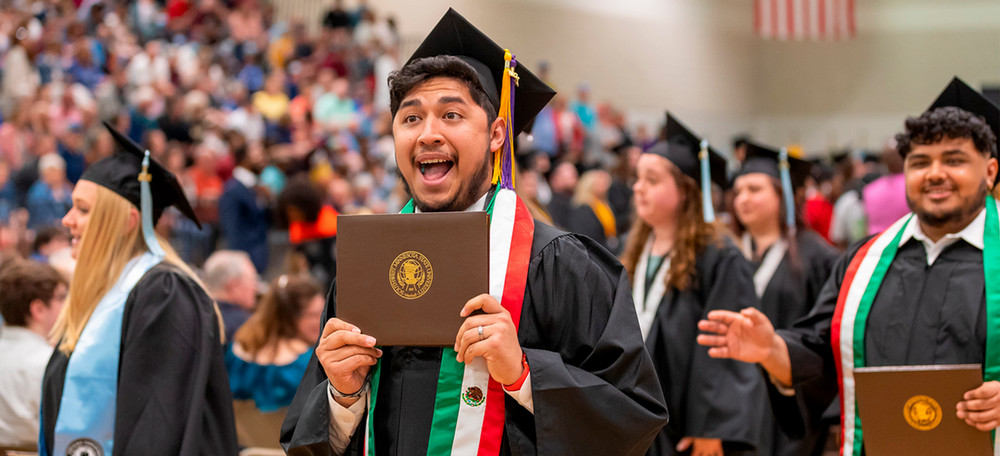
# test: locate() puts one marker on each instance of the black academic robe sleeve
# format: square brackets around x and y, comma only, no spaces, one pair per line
[790,295]
[580,335]
[593,383]
[707,397]
[582,220]
[814,370]
[306,428]
[173,390]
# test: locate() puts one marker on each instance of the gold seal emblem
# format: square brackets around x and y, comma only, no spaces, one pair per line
[411,275]
[923,413]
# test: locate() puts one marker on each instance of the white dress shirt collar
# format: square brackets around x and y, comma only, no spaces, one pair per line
[972,233]
[245,177]
[479,205]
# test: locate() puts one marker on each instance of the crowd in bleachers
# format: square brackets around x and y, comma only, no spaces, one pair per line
[272,129]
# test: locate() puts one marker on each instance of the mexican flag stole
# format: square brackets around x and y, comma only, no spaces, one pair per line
[861,283]
[469,405]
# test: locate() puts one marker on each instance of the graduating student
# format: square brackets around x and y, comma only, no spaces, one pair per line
[935,272]
[791,264]
[138,367]
[555,365]
[682,267]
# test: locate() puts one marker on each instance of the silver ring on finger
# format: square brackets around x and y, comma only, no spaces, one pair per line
[481,336]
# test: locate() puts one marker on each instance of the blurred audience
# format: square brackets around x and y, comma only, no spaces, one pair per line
[232,282]
[242,103]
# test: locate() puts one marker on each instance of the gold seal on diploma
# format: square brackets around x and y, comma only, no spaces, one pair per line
[410,275]
[923,413]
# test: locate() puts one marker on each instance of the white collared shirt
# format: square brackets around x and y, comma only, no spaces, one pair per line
[23,355]
[344,420]
[245,177]
[972,233]
[479,205]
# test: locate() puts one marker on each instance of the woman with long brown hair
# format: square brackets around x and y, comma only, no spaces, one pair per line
[791,264]
[270,351]
[682,266]
[138,366]
[269,354]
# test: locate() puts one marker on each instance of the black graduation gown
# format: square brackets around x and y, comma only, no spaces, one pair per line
[593,385]
[173,390]
[560,208]
[707,397]
[620,201]
[321,255]
[788,297]
[583,220]
[921,315]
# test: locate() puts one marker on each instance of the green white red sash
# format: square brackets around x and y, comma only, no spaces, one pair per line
[861,283]
[469,405]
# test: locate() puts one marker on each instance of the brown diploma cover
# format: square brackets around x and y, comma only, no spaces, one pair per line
[910,410]
[404,278]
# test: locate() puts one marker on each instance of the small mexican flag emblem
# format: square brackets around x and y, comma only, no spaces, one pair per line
[473,396]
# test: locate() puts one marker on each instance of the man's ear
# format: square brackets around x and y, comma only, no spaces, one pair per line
[992,167]
[36,308]
[498,134]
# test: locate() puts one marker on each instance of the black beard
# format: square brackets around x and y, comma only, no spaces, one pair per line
[970,207]
[470,191]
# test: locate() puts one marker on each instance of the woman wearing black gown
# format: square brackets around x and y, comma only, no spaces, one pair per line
[138,367]
[682,267]
[791,263]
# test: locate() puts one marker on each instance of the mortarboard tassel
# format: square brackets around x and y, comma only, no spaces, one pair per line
[503,158]
[146,209]
[708,209]
[786,188]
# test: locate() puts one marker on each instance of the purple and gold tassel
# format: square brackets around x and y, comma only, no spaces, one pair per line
[503,158]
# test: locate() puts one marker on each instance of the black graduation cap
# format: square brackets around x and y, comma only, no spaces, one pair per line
[840,157]
[682,147]
[871,156]
[456,36]
[622,145]
[764,159]
[120,174]
[960,95]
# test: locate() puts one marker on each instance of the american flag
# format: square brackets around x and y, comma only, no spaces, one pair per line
[804,19]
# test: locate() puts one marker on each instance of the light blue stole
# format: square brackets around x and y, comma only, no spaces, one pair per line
[86,418]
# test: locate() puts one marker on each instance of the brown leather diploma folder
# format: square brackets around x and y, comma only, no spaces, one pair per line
[910,410]
[404,278]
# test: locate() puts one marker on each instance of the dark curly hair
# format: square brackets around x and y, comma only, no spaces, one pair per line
[950,122]
[404,80]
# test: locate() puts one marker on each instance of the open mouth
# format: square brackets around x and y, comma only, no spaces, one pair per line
[434,170]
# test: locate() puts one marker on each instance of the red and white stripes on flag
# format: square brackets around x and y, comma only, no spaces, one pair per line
[804,19]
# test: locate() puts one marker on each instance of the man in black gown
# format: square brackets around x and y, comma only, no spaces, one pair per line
[587,383]
[931,306]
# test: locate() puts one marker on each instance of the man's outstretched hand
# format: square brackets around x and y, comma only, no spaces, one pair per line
[746,336]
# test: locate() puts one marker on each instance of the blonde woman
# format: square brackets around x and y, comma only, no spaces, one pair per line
[138,366]
[591,214]
[682,266]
